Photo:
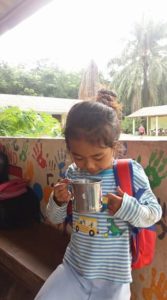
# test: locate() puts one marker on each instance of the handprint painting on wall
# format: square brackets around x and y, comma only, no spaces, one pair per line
[156,169]
[150,283]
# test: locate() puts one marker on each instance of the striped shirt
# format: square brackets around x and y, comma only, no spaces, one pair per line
[100,243]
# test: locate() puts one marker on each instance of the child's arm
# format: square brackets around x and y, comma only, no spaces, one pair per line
[55,213]
[58,201]
[142,212]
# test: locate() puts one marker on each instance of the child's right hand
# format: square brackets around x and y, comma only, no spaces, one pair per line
[61,192]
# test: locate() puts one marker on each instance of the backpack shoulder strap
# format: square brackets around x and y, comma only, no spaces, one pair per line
[123,173]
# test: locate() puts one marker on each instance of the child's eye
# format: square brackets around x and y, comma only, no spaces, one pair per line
[78,158]
[98,158]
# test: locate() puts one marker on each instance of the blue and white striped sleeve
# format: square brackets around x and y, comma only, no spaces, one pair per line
[55,213]
[142,212]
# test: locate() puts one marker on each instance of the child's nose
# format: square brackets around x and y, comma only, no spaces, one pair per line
[90,166]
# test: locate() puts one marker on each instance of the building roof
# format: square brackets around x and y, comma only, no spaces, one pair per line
[150,111]
[12,12]
[48,105]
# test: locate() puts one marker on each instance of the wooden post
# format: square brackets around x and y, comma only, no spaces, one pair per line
[63,119]
[133,126]
[147,129]
[156,125]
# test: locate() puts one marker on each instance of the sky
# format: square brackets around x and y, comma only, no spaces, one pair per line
[72,32]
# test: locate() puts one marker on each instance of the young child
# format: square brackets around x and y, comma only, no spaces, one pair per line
[97,267]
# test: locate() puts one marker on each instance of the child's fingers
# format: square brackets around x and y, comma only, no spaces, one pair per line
[120,191]
[61,190]
[65,180]
[64,196]
[60,187]
[113,197]
[61,184]
[114,203]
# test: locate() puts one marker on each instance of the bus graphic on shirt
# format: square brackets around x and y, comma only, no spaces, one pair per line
[86,225]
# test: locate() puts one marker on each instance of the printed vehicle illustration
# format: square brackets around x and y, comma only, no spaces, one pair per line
[86,225]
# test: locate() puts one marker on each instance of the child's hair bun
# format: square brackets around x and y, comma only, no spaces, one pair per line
[109,98]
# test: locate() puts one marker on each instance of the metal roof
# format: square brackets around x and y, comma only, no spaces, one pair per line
[12,12]
[150,111]
[40,104]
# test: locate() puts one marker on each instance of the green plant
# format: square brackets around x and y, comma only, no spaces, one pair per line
[14,122]
[127,125]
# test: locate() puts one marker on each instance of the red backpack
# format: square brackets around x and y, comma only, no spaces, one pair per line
[143,240]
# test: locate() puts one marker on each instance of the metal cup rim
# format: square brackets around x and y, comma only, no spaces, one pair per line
[86,181]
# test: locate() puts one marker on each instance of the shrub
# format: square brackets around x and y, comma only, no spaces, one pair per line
[14,122]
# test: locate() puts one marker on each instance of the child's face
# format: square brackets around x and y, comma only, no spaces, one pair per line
[89,157]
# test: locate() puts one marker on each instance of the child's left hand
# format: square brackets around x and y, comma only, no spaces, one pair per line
[115,201]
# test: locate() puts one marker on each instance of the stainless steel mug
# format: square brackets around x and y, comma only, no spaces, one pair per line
[87,195]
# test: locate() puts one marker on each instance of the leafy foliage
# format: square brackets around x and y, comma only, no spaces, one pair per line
[14,122]
[44,79]
[127,125]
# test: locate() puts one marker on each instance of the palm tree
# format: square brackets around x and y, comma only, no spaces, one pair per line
[139,74]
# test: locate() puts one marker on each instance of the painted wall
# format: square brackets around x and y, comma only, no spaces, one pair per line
[43,161]
[150,283]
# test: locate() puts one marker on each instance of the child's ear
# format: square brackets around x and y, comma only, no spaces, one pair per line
[71,156]
[118,152]
[113,151]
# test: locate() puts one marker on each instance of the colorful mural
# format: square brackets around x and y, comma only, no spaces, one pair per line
[150,283]
[43,161]
[40,162]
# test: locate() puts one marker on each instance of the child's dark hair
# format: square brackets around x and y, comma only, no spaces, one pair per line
[96,121]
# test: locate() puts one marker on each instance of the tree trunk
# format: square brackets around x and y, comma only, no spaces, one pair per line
[90,83]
